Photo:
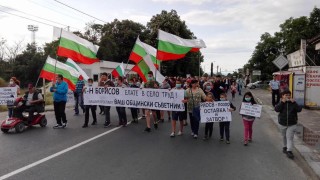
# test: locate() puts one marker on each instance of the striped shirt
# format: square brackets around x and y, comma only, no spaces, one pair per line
[79,86]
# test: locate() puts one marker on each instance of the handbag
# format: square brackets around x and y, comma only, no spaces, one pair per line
[195,110]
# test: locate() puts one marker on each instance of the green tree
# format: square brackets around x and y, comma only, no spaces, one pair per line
[286,41]
[27,65]
[118,39]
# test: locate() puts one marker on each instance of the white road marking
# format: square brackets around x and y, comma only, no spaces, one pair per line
[56,154]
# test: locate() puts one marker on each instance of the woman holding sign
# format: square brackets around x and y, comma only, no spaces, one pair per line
[194,95]
[13,83]
[248,120]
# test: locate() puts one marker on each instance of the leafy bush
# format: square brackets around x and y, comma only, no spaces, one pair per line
[2,82]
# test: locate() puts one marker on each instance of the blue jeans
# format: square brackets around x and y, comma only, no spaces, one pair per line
[10,112]
[239,89]
[78,102]
[194,124]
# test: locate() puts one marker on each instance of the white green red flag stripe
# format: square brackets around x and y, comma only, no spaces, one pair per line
[53,67]
[146,65]
[118,71]
[172,47]
[74,47]
[83,75]
[141,49]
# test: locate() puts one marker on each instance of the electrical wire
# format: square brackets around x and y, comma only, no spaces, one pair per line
[28,18]
[36,3]
[38,17]
[80,11]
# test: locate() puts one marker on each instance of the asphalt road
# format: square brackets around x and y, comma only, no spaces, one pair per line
[130,153]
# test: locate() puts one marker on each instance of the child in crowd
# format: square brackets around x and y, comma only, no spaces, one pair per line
[288,118]
[177,115]
[248,120]
[233,90]
[209,125]
[225,126]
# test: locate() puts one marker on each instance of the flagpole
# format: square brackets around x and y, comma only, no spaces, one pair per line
[55,64]
[199,65]
[40,72]
[129,57]
[157,58]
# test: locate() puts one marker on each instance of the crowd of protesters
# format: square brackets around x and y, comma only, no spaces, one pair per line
[196,90]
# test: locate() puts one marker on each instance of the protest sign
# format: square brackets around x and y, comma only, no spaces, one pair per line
[160,99]
[8,95]
[215,111]
[251,110]
[70,98]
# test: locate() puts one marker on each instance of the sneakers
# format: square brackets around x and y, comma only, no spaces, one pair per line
[58,126]
[205,138]
[64,125]
[172,134]
[290,154]
[84,126]
[147,129]
[195,136]
[227,142]
[245,143]
[284,150]
[179,133]
[107,125]
[221,139]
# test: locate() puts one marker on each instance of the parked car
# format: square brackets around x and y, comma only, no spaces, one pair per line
[258,84]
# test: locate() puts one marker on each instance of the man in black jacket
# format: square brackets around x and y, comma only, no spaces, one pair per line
[32,102]
[288,118]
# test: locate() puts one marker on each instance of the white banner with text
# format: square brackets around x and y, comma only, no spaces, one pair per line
[215,111]
[8,95]
[251,110]
[159,99]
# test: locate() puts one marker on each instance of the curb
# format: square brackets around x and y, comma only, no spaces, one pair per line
[310,155]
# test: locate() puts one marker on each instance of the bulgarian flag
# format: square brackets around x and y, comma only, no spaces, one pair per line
[118,71]
[140,50]
[172,47]
[76,48]
[83,75]
[53,67]
[144,66]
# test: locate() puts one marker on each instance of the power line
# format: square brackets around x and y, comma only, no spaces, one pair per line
[80,11]
[37,16]
[28,18]
[79,19]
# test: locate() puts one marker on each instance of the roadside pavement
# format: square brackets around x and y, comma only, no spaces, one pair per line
[307,137]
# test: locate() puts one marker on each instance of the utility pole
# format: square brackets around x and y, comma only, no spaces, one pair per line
[217,69]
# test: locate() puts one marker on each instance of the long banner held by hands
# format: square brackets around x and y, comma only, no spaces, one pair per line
[159,99]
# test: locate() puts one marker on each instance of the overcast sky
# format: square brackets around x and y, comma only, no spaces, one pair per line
[230,28]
